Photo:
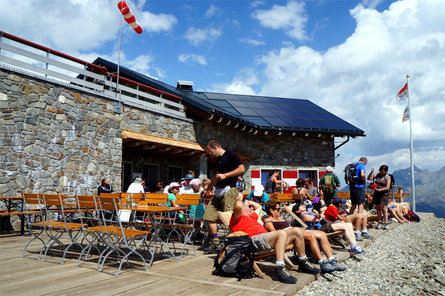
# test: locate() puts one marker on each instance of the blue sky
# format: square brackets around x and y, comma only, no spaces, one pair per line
[349,57]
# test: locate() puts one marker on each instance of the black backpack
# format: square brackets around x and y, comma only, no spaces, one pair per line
[236,257]
[351,174]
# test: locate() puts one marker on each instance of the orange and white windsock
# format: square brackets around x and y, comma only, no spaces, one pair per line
[129,17]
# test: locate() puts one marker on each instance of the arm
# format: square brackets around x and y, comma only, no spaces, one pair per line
[362,175]
[218,176]
[388,184]
[238,208]
[309,218]
[268,225]
[274,179]
[370,176]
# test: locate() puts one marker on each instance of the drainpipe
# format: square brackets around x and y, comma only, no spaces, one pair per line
[347,140]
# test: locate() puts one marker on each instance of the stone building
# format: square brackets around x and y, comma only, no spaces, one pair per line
[64,133]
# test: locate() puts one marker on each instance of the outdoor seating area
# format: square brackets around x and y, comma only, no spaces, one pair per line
[106,232]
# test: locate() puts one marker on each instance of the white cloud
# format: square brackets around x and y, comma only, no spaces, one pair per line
[292,18]
[251,41]
[192,59]
[358,80]
[198,37]
[212,11]
[74,25]
[241,84]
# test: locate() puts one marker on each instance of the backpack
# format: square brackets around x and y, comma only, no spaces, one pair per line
[328,186]
[392,181]
[351,174]
[236,257]
[411,216]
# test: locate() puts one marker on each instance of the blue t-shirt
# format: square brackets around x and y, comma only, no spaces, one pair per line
[262,200]
[360,167]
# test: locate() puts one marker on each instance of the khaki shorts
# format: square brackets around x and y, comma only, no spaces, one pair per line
[222,204]
[260,243]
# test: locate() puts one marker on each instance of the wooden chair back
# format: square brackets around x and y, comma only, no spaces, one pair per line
[86,201]
[108,203]
[33,199]
[53,199]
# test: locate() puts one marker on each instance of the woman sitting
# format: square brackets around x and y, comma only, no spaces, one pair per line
[316,222]
[312,238]
[300,189]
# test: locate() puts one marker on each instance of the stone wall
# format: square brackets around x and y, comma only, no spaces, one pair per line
[55,139]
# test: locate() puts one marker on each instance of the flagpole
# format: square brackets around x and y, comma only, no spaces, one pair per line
[411,149]
[118,92]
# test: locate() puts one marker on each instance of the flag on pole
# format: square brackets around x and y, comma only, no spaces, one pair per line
[405,114]
[403,93]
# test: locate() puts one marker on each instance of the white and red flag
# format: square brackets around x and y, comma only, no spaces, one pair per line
[129,17]
[403,93]
[405,114]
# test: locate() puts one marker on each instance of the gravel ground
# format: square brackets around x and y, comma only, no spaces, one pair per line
[409,260]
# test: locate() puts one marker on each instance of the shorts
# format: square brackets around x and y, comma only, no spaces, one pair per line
[260,243]
[222,204]
[327,227]
[380,198]
[357,195]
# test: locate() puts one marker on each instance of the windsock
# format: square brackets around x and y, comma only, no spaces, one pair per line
[129,17]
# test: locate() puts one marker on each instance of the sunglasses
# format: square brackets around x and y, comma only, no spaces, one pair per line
[276,209]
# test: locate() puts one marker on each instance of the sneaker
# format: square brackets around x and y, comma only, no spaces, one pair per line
[338,267]
[283,276]
[304,266]
[367,235]
[379,226]
[326,266]
[357,251]
[358,237]
[385,227]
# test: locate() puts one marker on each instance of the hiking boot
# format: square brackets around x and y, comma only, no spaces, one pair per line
[338,267]
[326,266]
[304,266]
[358,237]
[214,246]
[367,235]
[379,226]
[283,276]
[357,251]
[385,227]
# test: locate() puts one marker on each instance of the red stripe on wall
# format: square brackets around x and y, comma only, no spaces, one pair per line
[320,174]
[256,174]
[290,174]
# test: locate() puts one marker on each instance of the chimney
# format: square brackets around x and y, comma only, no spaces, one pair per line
[185,85]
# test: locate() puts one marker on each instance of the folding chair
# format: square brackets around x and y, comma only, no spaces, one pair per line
[225,219]
[33,201]
[122,242]
[56,229]
[187,229]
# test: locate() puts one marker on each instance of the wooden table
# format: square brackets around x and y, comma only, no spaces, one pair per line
[9,201]
[157,226]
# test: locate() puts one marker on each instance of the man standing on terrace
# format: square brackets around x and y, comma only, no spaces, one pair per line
[358,190]
[229,167]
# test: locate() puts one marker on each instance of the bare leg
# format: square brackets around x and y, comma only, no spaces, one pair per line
[352,210]
[309,238]
[213,228]
[349,232]
[379,213]
[324,242]
[361,208]
[364,221]
[295,236]
[385,213]
[277,240]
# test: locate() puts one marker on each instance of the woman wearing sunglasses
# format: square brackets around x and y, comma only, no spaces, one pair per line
[312,238]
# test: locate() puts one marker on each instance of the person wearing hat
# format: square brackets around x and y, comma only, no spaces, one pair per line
[328,185]
[186,188]
[258,195]
[360,221]
[136,186]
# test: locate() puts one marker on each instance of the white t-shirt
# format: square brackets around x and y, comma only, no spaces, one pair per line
[135,188]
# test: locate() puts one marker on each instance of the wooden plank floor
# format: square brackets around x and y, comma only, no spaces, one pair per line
[192,276]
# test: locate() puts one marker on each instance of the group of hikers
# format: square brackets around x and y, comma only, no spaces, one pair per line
[321,210]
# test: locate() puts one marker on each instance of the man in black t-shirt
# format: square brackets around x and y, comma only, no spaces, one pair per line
[229,167]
